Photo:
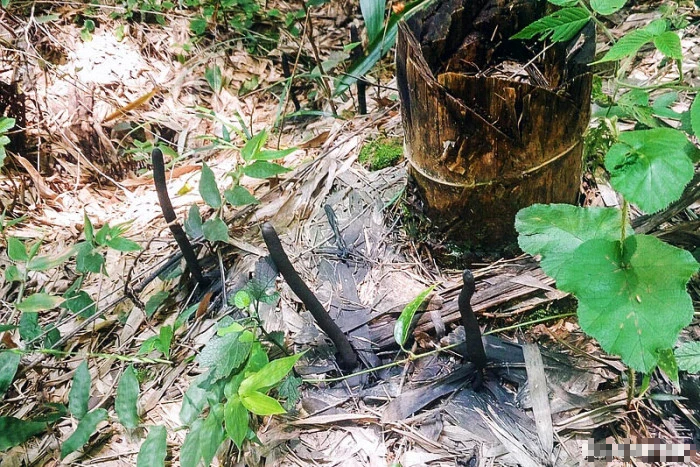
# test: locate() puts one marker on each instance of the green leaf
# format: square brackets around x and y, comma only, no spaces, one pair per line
[607,7]
[563,3]
[155,301]
[373,14]
[14,431]
[667,364]
[215,230]
[89,229]
[688,357]
[190,452]
[9,362]
[242,300]
[272,155]
[13,274]
[89,259]
[402,328]
[556,230]
[213,77]
[102,234]
[628,45]
[39,302]
[264,169]
[7,327]
[224,354]
[195,399]
[669,44]
[123,244]
[695,114]
[208,188]
[79,395]
[212,434]
[651,167]
[236,421]
[6,124]
[253,146]
[269,375]
[290,389]
[239,196]
[165,338]
[562,25]
[16,250]
[127,397]
[44,263]
[633,300]
[153,450]
[29,327]
[193,223]
[260,404]
[86,427]
[81,303]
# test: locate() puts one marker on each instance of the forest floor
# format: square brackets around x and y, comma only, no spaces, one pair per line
[100,89]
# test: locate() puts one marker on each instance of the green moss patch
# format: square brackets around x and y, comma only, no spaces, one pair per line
[381,153]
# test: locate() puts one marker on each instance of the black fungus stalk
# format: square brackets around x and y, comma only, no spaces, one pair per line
[169,214]
[347,358]
[356,54]
[475,346]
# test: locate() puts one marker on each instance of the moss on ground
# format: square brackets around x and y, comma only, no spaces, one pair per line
[381,153]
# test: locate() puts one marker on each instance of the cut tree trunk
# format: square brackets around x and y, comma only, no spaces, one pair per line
[491,125]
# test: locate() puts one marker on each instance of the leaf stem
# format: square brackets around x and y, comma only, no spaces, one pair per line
[598,23]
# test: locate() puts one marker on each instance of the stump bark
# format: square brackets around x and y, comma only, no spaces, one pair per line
[492,125]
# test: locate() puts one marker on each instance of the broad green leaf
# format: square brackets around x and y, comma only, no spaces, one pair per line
[289,389]
[239,196]
[9,362]
[44,263]
[695,114]
[193,223]
[154,449]
[195,399]
[628,45]
[272,155]
[6,124]
[215,230]
[607,7]
[86,427]
[208,189]
[669,44]
[651,167]
[253,146]
[688,357]
[242,300]
[269,375]
[123,244]
[633,300]
[102,234]
[190,452]
[81,304]
[7,327]
[29,327]
[16,250]
[213,76]
[264,169]
[667,364]
[88,259]
[224,354]
[562,25]
[155,301]
[556,230]
[236,421]
[373,14]
[79,395]
[402,327]
[13,274]
[127,398]
[165,338]
[14,431]
[212,434]
[656,27]
[88,228]
[39,302]
[260,404]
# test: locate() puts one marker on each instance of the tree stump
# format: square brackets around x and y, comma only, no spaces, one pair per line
[492,125]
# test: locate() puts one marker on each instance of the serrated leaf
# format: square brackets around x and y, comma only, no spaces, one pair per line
[127,398]
[269,375]
[215,230]
[264,169]
[402,327]
[260,404]
[213,76]
[633,300]
[79,395]
[155,301]
[562,25]
[81,304]
[15,431]
[154,449]
[208,189]
[253,146]
[289,389]
[242,300]
[16,250]
[224,354]
[236,421]
[669,44]
[86,427]
[667,363]
[123,244]
[88,259]
[651,167]
[193,223]
[9,362]
[556,230]
[688,357]
[607,7]
[239,196]
[29,327]
[39,302]
[628,45]
[373,15]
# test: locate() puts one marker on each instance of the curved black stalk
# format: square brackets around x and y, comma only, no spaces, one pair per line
[169,214]
[347,358]
[472,332]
